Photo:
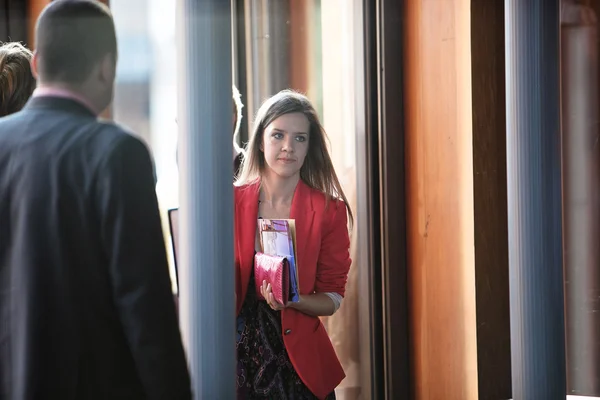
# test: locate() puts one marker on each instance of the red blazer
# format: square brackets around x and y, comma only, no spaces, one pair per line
[323,262]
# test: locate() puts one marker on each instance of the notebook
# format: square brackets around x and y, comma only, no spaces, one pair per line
[278,238]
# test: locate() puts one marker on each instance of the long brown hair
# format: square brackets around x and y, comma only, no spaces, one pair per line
[317,170]
[16,81]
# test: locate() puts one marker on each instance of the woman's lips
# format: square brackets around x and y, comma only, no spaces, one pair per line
[286,160]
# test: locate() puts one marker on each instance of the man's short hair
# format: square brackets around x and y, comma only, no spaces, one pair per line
[72,37]
[16,80]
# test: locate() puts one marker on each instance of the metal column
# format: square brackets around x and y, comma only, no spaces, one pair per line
[534,199]
[207,299]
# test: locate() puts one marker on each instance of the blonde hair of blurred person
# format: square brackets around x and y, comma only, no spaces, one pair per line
[16,80]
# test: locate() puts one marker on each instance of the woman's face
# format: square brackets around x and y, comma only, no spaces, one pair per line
[285,144]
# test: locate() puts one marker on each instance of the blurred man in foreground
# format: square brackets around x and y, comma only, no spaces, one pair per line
[86,308]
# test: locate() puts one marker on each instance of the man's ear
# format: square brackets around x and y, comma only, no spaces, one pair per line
[107,68]
[34,65]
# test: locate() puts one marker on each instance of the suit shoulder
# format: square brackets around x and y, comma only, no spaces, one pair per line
[115,132]
[8,124]
[115,136]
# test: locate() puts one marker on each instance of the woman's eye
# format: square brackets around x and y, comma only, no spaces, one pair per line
[301,138]
[277,135]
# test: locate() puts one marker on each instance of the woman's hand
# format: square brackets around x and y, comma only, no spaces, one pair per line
[267,293]
[315,305]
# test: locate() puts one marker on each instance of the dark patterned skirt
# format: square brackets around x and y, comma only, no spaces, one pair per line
[264,369]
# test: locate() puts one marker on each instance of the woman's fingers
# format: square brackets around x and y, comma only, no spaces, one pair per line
[267,292]
[275,304]
[263,290]
[272,301]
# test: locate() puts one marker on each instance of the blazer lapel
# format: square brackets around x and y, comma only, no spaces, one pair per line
[247,211]
[302,212]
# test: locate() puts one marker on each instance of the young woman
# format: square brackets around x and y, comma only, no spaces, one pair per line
[283,349]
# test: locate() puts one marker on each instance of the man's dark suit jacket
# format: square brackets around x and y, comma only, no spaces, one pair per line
[86,308]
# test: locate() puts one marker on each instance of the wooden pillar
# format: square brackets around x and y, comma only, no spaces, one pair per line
[35,8]
[299,52]
[439,194]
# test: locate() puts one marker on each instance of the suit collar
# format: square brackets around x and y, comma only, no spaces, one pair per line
[49,91]
[59,104]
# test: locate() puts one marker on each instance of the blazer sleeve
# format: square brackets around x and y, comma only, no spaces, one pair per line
[334,257]
[141,289]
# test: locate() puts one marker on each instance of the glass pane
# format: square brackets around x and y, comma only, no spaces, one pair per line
[581,193]
[146,90]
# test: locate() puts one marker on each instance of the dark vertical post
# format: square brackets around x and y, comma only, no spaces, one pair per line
[489,199]
[207,286]
[13,22]
[534,199]
[390,53]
